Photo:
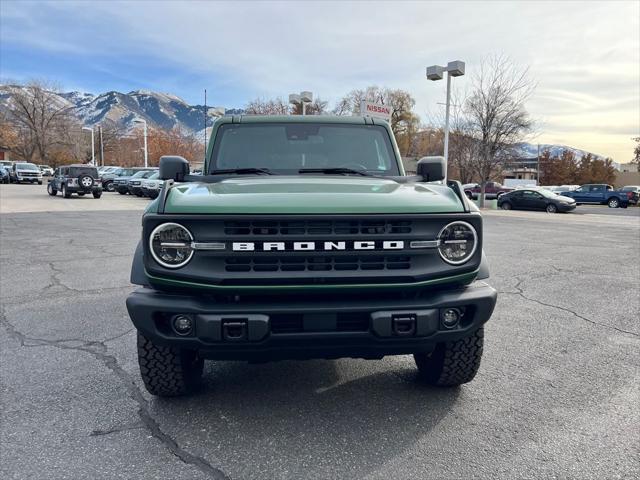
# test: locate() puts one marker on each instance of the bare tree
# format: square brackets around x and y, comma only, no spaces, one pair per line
[41,118]
[496,113]
[404,122]
[317,107]
[260,106]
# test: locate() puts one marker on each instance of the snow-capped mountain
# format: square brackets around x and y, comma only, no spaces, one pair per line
[530,150]
[160,110]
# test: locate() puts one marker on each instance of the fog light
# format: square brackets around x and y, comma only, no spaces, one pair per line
[450,317]
[182,325]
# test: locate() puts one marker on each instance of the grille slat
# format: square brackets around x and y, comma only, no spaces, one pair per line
[317,227]
[316,264]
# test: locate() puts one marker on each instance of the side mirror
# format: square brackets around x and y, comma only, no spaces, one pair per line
[173,168]
[431,169]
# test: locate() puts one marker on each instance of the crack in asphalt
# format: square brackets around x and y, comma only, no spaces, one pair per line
[98,350]
[520,292]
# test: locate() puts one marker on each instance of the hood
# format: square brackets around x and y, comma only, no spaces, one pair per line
[311,195]
[565,199]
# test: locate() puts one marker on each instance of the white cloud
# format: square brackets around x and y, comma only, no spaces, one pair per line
[585,56]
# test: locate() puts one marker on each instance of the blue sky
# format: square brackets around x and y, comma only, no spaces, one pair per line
[585,57]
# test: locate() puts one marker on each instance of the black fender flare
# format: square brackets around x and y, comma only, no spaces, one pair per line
[138,277]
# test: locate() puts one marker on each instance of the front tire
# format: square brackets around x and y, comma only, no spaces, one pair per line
[121,192]
[109,187]
[65,193]
[452,363]
[51,191]
[168,371]
[505,206]
[97,194]
[613,203]
[551,208]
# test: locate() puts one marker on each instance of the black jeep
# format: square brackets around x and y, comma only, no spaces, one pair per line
[80,179]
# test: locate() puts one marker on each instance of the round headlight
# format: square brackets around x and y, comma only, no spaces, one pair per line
[458,242]
[170,245]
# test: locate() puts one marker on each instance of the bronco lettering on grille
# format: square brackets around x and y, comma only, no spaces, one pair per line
[315,246]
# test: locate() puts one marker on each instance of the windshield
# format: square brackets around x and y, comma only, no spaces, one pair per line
[75,171]
[26,166]
[547,193]
[288,148]
[139,174]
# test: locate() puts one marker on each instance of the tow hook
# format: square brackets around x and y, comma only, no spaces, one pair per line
[234,330]
[403,325]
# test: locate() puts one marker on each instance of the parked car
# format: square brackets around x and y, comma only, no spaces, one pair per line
[6,163]
[633,193]
[4,174]
[134,185]
[599,194]
[25,172]
[79,179]
[46,170]
[492,190]
[151,186]
[535,199]
[117,181]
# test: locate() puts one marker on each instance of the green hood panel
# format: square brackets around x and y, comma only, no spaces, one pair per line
[311,195]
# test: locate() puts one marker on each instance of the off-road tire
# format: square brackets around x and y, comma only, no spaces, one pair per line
[51,191]
[97,194]
[452,363]
[65,192]
[168,371]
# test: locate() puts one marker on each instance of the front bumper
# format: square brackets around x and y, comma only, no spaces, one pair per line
[134,189]
[566,207]
[278,327]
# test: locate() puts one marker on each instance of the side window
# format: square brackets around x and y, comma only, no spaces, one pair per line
[56,172]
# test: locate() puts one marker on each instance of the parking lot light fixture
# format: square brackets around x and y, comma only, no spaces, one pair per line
[93,146]
[435,73]
[146,153]
[302,98]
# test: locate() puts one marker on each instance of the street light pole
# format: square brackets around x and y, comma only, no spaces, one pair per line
[146,153]
[93,147]
[436,72]
[302,98]
[446,125]
[101,147]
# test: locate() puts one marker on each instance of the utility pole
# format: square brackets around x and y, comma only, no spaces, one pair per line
[538,166]
[101,146]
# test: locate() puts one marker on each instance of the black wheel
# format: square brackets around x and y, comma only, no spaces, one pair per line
[109,187]
[505,206]
[613,203]
[551,208]
[81,194]
[39,183]
[452,363]
[97,194]
[51,191]
[65,193]
[168,371]
[121,192]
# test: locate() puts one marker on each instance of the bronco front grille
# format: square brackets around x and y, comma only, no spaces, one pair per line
[318,227]
[317,263]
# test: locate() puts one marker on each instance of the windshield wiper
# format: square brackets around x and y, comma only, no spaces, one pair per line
[243,171]
[336,171]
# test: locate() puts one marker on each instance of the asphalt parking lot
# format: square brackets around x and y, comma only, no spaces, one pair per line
[557,394]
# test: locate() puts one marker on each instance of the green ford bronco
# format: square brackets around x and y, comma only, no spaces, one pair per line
[303,239]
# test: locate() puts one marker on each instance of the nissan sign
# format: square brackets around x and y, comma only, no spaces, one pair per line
[378,110]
